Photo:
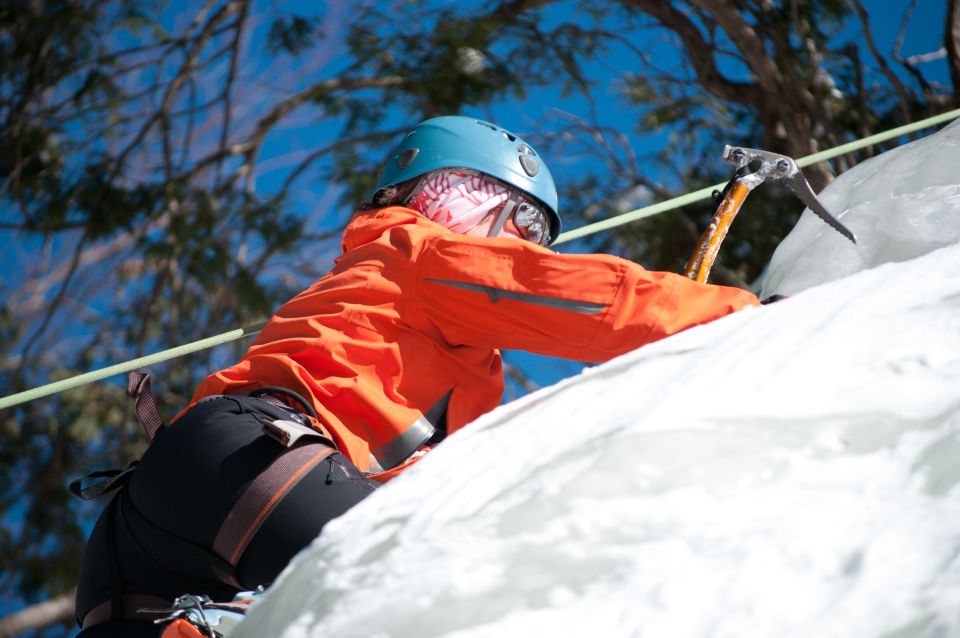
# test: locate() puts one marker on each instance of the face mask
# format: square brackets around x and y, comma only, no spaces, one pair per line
[460,199]
[456,198]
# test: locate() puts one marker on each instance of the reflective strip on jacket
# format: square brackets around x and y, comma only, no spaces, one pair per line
[412,313]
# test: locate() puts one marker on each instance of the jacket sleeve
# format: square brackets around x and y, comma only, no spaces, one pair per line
[510,294]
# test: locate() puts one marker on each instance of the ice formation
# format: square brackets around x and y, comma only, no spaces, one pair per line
[790,470]
[901,204]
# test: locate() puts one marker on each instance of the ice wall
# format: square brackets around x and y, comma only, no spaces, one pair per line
[901,204]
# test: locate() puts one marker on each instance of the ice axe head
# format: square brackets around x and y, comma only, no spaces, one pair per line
[772,166]
[753,168]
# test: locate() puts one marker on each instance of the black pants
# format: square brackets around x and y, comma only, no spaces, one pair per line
[156,533]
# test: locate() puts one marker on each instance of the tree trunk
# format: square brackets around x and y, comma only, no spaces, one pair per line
[951,35]
[57,609]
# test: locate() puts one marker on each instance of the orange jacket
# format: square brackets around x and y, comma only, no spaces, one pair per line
[412,313]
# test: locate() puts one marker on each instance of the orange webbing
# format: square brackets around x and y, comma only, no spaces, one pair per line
[259,499]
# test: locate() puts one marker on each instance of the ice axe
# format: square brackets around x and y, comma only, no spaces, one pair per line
[772,166]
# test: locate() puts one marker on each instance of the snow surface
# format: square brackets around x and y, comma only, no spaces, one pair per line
[790,470]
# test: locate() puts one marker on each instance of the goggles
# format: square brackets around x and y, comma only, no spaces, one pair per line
[526,215]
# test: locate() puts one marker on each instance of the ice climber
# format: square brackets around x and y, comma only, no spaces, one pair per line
[357,376]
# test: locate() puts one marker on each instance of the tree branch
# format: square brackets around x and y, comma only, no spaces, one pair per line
[313,156]
[174,87]
[251,148]
[700,53]
[57,609]
[229,82]
[881,62]
[745,38]
[54,304]
[951,36]
[520,378]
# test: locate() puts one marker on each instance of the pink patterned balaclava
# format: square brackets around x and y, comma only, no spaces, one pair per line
[457,198]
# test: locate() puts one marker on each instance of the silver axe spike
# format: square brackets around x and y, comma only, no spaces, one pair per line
[780,167]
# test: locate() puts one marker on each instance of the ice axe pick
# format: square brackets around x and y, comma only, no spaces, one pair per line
[753,168]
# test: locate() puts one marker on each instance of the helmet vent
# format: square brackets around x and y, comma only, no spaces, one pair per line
[530,165]
[509,136]
[404,158]
[523,148]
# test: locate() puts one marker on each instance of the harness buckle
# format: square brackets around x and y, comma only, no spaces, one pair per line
[288,433]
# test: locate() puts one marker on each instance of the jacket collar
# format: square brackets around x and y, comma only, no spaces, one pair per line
[368,225]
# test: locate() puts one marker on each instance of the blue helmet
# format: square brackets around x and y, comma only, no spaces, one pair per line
[455,141]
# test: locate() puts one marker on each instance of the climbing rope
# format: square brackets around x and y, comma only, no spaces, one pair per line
[706,193]
[128,366]
[596,227]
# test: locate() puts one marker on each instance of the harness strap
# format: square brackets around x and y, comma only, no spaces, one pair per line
[130,606]
[305,445]
[112,479]
[259,499]
[429,429]
[238,529]
[138,388]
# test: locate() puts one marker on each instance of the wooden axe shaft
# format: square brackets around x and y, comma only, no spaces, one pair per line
[701,261]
